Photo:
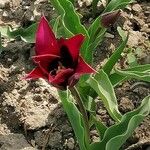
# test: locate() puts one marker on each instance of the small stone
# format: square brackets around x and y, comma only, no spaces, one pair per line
[14,142]
[36,14]
[137,8]
[5,14]
[108,35]
[55,139]
[126,105]
[134,38]
[70,143]
[4,3]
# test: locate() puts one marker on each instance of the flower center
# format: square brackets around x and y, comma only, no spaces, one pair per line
[65,61]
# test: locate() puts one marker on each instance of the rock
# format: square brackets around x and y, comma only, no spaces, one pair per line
[137,8]
[36,14]
[134,38]
[4,3]
[14,142]
[126,105]
[70,143]
[36,117]
[5,14]
[55,139]
[16,3]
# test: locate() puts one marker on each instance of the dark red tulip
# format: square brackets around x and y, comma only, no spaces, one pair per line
[58,60]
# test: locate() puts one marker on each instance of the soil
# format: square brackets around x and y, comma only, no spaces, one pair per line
[31,115]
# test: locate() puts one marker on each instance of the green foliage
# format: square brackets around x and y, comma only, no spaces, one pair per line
[71,22]
[114,57]
[117,134]
[103,87]
[101,128]
[74,116]
[117,4]
[27,35]
[140,74]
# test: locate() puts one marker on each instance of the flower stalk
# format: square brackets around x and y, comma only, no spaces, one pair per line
[82,109]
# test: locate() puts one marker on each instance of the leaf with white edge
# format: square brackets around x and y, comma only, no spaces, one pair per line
[72,22]
[27,35]
[121,33]
[117,4]
[145,75]
[114,57]
[103,87]
[117,134]
[101,128]
[74,116]
[117,79]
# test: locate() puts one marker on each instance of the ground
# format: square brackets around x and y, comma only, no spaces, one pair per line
[31,116]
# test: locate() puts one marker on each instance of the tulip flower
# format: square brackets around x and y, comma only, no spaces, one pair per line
[58,60]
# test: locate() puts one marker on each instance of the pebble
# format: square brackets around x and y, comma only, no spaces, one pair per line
[126,104]
[137,8]
[4,3]
[70,143]
[108,35]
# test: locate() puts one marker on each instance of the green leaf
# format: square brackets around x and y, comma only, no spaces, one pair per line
[118,77]
[72,22]
[131,59]
[121,33]
[74,116]
[100,126]
[114,57]
[103,87]
[27,35]
[140,75]
[117,134]
[117,4]
[56,25]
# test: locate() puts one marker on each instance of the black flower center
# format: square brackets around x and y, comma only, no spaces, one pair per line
[66,57]
[65,61]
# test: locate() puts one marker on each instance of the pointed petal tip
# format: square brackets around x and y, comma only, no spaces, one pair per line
[84,68]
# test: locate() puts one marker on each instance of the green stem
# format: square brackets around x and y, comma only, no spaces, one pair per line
[79,101]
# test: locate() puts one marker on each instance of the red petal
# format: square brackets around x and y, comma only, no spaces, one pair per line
[46,57]
[35,73]
[46,42]
[73,44]
[83,68]
[44,61]
[62,76]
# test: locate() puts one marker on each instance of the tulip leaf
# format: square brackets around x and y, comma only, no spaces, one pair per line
[72,22]
[145,75]
[103,87]
[100,126]
[140,72]
[117,4]
[114,57]
[121,33]
[117,79]
[117,134]
[74,116]
[27,35]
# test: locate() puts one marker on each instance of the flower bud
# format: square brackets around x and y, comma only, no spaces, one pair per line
[110,18]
